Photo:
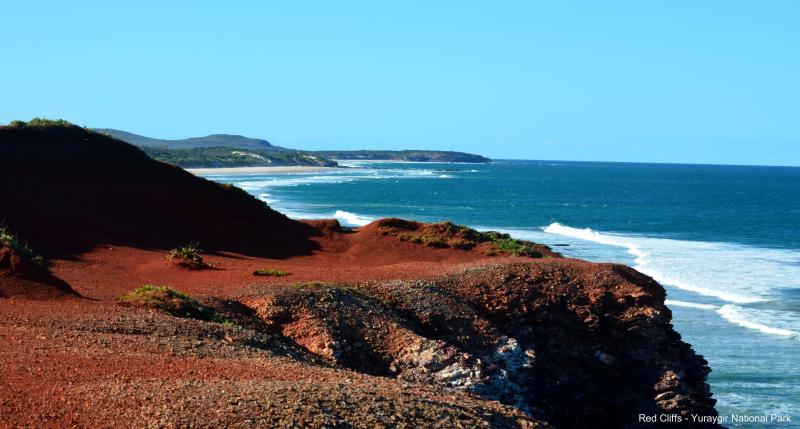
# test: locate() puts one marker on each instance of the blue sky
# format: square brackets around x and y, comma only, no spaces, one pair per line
[657,81]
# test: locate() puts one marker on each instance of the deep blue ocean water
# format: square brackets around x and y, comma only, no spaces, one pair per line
[723,240]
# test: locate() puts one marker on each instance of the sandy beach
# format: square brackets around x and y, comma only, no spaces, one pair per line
[260,170]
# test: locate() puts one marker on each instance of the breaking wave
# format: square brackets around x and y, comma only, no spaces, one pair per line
[748,281]
[352,219]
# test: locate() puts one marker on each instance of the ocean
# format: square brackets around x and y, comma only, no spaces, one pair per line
[723,240]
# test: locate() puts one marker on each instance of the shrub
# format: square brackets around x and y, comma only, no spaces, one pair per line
[271,273]
[450,228]
[22,249]
[188,256]
[502,242]
[516,247]
[435,242]
[448,234]
[41,122]
[463,244]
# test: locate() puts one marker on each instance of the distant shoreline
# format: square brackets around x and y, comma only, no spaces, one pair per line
[261,170]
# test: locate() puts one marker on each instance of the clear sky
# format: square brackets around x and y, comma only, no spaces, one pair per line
[658,81]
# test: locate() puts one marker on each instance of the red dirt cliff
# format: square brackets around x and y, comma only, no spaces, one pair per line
[397,324]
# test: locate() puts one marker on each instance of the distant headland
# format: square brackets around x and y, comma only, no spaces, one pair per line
[227,150]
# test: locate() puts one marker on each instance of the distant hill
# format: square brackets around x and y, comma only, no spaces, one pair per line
[218,150]
[215,151]
[213,140]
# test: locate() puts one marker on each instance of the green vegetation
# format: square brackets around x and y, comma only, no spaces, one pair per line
[168,300]
[188,256]
[430,241]
[516,247]
[449,234]
[22,249]
[229,157]
[462,244]
[271,273]
[42,122]
[503,242]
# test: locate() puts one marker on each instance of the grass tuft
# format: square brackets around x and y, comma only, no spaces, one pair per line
[271,273]
[168,300]
[188,256]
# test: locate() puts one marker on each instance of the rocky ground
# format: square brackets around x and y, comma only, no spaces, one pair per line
[508,342]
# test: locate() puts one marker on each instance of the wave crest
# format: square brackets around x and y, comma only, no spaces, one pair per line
[672,262]
[746,318]
[352,218]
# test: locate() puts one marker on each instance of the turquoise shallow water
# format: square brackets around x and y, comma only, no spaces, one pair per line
[723,240]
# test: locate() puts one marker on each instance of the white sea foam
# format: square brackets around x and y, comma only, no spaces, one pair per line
[301,214]
[267,198]
[352,218]
[712,269]
[350,164]
[753,319]
[749,281]
[255,185]
[687,304]
[260,183]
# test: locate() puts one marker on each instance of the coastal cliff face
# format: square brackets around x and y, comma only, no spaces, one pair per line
[571,343]
[396,324]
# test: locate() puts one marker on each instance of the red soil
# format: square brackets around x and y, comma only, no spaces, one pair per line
[389,333]
[108,271]
[55,375]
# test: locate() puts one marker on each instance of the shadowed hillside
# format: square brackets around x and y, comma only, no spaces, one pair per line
[91,189]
